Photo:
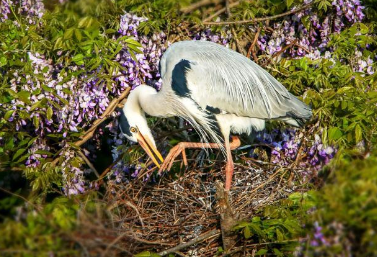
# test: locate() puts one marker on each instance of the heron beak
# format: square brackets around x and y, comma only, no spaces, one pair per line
[149,148]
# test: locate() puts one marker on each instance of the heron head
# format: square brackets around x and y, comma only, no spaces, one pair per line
[134,127]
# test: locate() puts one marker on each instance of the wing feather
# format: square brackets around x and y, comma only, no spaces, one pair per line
[234,83]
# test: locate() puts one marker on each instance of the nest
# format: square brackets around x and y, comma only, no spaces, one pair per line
[181,208]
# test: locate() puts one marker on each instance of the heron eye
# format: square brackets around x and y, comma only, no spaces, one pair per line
[133,129]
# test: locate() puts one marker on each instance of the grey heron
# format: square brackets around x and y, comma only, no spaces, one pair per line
[218,91]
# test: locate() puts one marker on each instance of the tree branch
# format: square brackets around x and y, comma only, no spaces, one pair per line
[197,5]
[251,49]
[222,10]
[260,19]
[227,7]
[205,236]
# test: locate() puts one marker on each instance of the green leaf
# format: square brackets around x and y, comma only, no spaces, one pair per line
[3,61]
[261,252]
[68,33]
[78,59]
[24,96]
[43,152]
[277,252]
[78,35]
[40,103]
[49,113]
[279,235]
[18,153]
[8,114]
[256,219]
[289,3]
[110,31]
[358,133]
[147,254]
[246,232]
[334,133]
[306,21]
[36,121]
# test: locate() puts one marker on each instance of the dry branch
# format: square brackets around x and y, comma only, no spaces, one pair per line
[203,237]
[252,46]
[222,10]
[260,19]
[197,5]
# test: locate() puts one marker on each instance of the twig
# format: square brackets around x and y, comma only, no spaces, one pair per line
[103,174]
[300,46]
[149,242]
[11,169]
[205,236]
[113,104]
[36,207]
[251,49]
[91,166]
[260,19]
[238,43]
[197,5]
[222,10]
[228,8]
[281,51]
[114,242]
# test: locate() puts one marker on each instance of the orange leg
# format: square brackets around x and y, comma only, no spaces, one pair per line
[180,148]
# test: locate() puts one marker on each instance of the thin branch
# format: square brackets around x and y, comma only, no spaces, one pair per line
[222,10]
[36,207]
[91,166]
[108,169]
[238,43]
[124,234]
[281,51]
[197,5]
[18,169]
[252,47]
[203,237]
[227,6]
[260,19]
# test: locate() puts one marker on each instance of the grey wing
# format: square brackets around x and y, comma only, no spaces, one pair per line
[221,78]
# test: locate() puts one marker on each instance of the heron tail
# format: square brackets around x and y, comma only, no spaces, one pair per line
[299,113]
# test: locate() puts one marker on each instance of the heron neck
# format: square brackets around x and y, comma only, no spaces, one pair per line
[152,102]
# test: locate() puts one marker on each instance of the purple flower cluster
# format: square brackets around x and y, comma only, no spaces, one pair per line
[310,33]
[285,148]
[220,38]
[5,6]
[34,157]
[319,238]
[364,66]
[318,154]
[145,68]
[32,10]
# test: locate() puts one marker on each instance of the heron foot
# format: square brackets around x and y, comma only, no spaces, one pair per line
[173,154]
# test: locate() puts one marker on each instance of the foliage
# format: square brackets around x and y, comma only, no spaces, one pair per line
[343,98]
[278,228]
[38,230]
[346,210]
[53,60]
[42,65]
